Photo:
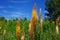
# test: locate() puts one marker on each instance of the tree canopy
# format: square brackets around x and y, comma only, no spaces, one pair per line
[53,8]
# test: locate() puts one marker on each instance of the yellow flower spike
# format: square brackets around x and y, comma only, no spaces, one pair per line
[34,11]
[4,33]
[32,25]
[30,30]
[18,30]
[34,15]
[0,28]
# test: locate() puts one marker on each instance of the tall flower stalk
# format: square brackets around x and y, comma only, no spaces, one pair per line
[30,31]
[4,33]
[41,29]
[18,30]
[23,35]
[32,24]
[57,20]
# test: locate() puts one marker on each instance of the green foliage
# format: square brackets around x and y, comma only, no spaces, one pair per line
[47,34]
[53,7]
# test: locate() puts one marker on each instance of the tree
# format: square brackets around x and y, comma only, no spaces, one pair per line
[53,8]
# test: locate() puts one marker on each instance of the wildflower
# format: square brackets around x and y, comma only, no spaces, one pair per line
[32,25]
[4,33]
[18,30]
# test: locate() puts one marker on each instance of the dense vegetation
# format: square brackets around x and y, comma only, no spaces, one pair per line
[49,32]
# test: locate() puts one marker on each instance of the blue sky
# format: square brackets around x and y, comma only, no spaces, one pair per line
[20,8]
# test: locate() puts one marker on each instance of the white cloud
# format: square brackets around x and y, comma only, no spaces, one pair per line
[14,14]
[14,7]
[46,11]
[10,6]
[21,1]
[5,11]
[7,6]
[1,7]
[17,14]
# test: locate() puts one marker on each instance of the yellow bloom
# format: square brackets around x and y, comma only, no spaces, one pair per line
[18,30]
[32,24]
[34,17]
[0,28]
[34,12]
[4,33]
